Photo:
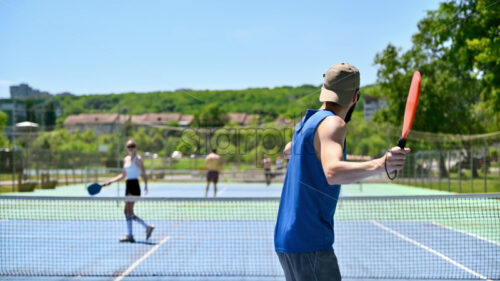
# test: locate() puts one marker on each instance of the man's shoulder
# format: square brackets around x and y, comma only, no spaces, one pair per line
[332,125]
[212,156]
[333,128]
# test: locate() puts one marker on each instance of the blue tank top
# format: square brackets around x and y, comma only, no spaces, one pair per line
[308,202]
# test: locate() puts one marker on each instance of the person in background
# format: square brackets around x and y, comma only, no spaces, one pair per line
[213,167]
[133,167]
[279,165]
[266,163]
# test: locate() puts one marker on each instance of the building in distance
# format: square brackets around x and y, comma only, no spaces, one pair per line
[371,106]
[24,91]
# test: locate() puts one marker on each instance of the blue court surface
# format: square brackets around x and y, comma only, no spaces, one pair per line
[178,248]
[191,242]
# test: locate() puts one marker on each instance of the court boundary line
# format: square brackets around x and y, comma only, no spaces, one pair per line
[139,261]
[466,233]
[429,249]
[222,191]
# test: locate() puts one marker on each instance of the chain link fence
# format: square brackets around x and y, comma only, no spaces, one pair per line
[454,163]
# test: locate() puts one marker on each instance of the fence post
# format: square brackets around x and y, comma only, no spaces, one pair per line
[415,159]
[440,155]
[422,172]
[37,159]
[471,170]
[449,171]
[460,172]
[485,164]
[429,172]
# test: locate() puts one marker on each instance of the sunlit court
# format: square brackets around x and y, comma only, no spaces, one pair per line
[419,233]
[249,140]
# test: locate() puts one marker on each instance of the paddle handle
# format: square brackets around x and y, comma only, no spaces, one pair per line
[402,143]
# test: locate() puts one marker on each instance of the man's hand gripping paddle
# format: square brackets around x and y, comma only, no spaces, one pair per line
[410,110]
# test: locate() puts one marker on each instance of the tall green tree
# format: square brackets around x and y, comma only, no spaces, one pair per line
[4,142]
[30,110]
[456,49]
[50,114]
[212,115]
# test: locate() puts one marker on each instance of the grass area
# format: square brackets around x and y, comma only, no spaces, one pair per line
[189,164]
[457,184]
[477,187]
[5,188]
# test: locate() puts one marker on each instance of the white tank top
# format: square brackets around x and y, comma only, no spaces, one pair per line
[133,172]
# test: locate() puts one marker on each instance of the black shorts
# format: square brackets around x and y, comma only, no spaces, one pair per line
[213,176]
[133,188]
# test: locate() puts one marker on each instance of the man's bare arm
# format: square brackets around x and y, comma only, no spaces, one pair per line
[287,151]
[331,134]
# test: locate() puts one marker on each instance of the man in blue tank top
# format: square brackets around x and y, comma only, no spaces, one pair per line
[304,235]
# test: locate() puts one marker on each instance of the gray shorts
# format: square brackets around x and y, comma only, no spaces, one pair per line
[313,266]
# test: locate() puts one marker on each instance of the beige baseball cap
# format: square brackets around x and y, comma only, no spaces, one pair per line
[340,85]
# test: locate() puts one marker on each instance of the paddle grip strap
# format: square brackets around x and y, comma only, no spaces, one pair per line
[387,172]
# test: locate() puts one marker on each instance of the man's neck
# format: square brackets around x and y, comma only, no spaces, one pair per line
[336,109]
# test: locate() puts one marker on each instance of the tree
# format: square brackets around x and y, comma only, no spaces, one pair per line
[457,76]
[213,115]
[4,142]
[456,50]
[30,111]
[49,114]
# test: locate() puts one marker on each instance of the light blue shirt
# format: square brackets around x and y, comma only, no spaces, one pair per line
[132,170]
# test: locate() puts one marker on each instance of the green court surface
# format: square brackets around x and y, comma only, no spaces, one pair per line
[386,189]
[257,190]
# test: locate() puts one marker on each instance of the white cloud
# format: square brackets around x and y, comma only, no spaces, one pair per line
[5,83]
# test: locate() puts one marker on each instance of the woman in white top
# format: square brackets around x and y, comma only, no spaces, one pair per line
[133,167]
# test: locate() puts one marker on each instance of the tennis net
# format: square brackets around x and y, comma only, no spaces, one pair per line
[420,237]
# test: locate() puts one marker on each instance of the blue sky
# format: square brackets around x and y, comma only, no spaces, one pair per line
[89,47]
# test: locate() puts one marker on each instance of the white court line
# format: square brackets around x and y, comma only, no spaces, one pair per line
[430,250]
[132,267]
[222,191]
[470,234]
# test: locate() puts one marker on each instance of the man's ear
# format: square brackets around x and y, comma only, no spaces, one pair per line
[356,96]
